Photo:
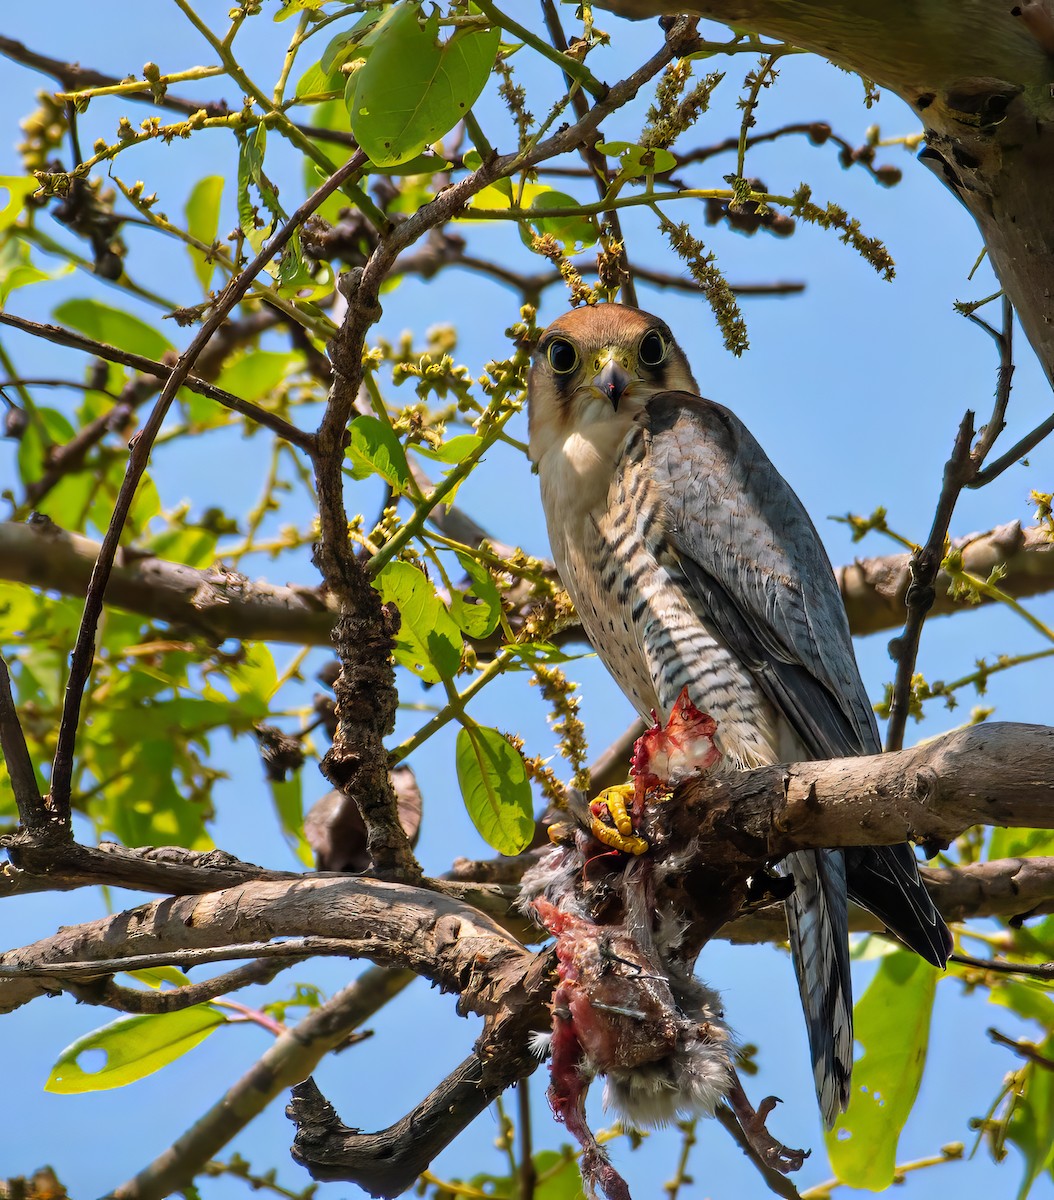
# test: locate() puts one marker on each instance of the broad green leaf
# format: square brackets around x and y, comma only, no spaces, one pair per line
[110,325]
[411,90]
[1029,998]
[635,161]
[132,1048]
[453,450]
[892,1021]
[428,641]
[17,187]
[255,677]
[193,546]
[572,231]
[1020,843]
[1031,1126]
[477,611]
[46,427]
[557,1175]
[317,81]
[290,8]
[374,449]
[495,788]
[256,375]
[17,269]
[203,222]
[287,795]
[155,976]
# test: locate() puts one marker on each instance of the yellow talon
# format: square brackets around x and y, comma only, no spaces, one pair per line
[612,802]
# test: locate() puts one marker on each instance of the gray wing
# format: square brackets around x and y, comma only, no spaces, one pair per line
[756,563]
[764,585]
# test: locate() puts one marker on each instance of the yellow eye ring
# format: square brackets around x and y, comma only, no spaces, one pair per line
[653,349]
[561,356]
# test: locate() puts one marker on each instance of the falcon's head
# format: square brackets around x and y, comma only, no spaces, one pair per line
[594,370]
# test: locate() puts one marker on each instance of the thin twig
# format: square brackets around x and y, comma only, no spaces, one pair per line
[1025,1049]
[75,78]
[136,1000]
[924,565]
[83,653]
[593,158]
[1000,965]
[289,1060]
[148,366]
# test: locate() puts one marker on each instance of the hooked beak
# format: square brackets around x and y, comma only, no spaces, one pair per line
[611,381]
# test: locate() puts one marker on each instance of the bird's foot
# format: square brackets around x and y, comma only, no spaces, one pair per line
[771,1152]
[611,821]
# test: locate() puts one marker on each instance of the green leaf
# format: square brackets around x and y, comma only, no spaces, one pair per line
[1031,1126]
[571,231]
[255,376]
[411,90]
[478,611]
[635,161]
[18,187]
[110,325]
[374,449]
[132,1048]
[251,175]
[155,976]
[428,641]
[495,788]
[17,269]
[255,678]
[287,795]
[203,222]
[47,427]
[892,1022]
[453,450]
[1020,843]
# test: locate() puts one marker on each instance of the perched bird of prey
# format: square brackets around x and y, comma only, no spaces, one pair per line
[693,564]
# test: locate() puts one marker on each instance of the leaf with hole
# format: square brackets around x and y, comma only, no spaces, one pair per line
[892,1021]
[131,1049]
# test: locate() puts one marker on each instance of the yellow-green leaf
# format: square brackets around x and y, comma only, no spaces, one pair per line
[428,641]
[892,1021]
[17,187]
[495,788]
[412,89]
[110,325]
[203,223]
[374,449]
[131,1049]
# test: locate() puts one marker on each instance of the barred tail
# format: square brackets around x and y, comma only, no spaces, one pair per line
[818,921]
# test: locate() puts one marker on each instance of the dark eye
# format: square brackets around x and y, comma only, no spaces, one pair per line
[653,349]
[562,356]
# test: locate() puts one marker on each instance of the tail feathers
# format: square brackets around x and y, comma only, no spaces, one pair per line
[818,922]
[885,880]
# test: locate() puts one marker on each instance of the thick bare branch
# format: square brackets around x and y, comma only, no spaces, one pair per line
[874,588]
[990,774]
[219,604]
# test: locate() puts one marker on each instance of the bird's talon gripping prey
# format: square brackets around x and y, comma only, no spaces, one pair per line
[612,803]
[694,567]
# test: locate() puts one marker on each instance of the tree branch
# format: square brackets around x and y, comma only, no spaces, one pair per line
[219,604]
[77,341]
[290,1059]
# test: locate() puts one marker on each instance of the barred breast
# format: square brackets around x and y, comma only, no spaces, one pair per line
[645,624]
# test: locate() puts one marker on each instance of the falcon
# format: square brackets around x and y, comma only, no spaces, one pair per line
[692,564]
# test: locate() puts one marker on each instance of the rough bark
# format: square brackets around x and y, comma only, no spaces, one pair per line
[217,604]
[978,73]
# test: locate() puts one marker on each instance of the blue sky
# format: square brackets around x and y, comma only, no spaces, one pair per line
[855,388]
